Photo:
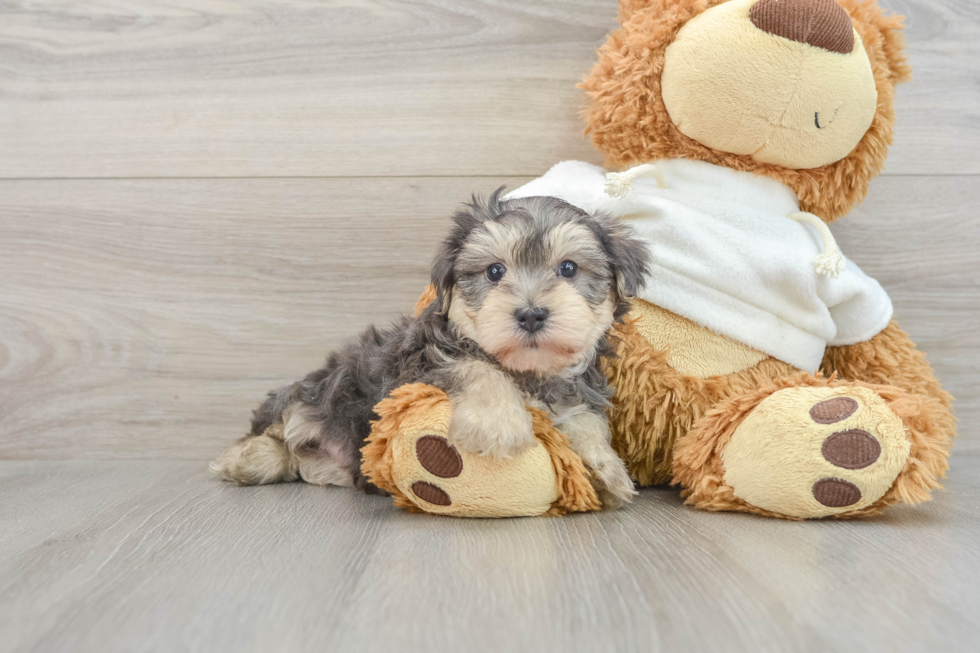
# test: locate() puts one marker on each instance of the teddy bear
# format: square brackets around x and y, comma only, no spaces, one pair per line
[759,369]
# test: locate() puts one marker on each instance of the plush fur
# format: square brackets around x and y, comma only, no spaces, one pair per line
[673,427]
[692,419]
[655,405]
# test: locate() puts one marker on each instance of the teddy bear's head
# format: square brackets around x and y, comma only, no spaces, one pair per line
[798,90]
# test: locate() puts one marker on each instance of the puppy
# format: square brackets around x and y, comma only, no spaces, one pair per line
[527,290]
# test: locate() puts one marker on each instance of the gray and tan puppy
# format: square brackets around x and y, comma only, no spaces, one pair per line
[527,290]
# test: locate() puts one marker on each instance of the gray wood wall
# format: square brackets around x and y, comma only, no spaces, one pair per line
[198,199]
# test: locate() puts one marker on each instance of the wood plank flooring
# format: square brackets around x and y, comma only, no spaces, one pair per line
[155,556]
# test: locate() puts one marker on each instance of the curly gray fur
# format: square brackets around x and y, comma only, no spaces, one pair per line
[339,398]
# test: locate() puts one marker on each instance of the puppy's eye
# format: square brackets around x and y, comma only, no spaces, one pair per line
[496,272]
[568,269]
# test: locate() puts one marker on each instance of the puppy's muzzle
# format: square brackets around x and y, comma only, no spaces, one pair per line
[531,319]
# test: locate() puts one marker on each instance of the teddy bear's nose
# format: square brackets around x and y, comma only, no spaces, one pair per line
[820,23]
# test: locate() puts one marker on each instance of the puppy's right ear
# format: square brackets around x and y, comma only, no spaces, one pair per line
[444,276]
[444,265]
[475,213]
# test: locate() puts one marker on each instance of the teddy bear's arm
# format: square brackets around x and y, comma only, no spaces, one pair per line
[889,358]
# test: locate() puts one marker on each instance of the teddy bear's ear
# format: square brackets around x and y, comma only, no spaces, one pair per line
[894,45]
[868,17]
[629,7]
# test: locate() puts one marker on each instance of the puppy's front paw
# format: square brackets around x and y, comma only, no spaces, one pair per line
[490,431]
[612,481]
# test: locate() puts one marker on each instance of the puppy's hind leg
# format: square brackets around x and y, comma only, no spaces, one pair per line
[289,443]
[261,456]
[264,456]
[322,452]
[257,460]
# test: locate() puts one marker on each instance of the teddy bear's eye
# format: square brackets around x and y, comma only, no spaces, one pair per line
[496,272]
[568,269]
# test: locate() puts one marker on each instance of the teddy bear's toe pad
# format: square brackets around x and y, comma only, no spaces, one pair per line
[816,451]
[831,411]
[836,493]
[438,457]
[431,493]
[851,449]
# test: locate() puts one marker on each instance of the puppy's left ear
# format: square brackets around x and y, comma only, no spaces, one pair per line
[629,258]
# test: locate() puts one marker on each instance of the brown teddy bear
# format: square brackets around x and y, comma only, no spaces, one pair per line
[759,369]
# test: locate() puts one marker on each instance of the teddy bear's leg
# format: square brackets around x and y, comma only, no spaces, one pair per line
[891,358]
[409,453]
[807,447]
[660,394]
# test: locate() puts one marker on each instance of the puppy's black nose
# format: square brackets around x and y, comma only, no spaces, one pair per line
[531,319]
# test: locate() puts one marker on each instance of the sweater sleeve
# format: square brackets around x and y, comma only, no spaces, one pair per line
[858,304]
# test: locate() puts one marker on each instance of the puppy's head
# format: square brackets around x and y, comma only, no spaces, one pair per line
[536,282]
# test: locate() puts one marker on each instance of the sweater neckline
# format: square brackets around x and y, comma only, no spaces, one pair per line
[722,184]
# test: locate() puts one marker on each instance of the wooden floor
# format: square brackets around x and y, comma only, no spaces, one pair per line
[199,198]
[155,556]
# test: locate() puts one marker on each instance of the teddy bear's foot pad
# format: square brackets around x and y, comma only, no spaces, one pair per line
[411,455]
[441,459]
[849,449]
[437,477]
[816,451]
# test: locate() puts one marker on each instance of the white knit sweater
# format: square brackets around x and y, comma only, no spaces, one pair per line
[726,256]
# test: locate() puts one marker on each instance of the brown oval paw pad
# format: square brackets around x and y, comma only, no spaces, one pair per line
[836,493]
[438,457]
[431,493]
[833,410]
[853,449]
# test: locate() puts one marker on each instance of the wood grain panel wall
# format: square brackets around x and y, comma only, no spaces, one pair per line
[203,88]
[199,199]
[145,318]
